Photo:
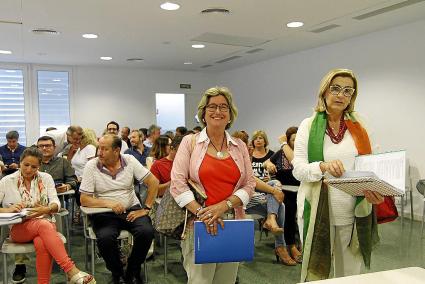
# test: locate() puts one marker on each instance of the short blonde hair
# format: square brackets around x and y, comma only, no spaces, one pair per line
[326,82]
[89,137]
[260,133]
[213,92]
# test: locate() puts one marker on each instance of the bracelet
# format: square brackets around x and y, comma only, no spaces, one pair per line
[197,210]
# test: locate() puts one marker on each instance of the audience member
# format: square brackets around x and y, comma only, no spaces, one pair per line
[145,132]
[280,165]
[181,131]
[170,134]
[10,153]
[222,165]
[340,230]
[160,149]
[153,133]
[85,152]
[138,150]
[113,128]
[161,168]
[197,129]
[125,132]
[108,182]
[29,188]
[64,137]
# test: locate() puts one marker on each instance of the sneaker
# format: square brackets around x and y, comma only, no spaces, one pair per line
[19,273]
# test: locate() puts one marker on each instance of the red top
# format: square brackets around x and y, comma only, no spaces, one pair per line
[162,169]
[219,178]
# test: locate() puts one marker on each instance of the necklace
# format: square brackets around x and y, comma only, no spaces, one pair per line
[340,135]
[219,154]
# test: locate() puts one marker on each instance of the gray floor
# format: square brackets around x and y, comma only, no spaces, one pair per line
[398,248]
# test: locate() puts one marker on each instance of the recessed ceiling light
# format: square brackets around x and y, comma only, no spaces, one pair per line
[106,58]
[187,63]
[5,52]
[170,6]
[295,24]
[56,80]
[90,36]
[198,45]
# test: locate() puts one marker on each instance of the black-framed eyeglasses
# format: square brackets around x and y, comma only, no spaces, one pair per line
[346,91]
[221,107]
[44,146]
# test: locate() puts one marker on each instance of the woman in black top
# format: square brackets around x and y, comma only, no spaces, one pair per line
[280,165]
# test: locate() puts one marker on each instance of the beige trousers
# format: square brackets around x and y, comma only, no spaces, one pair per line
[344,261]
[217,273]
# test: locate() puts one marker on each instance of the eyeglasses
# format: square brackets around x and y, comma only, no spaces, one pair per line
[44,146]
[213,107]
[346,91]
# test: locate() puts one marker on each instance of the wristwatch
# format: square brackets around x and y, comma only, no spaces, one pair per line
[144,206]
[229,204]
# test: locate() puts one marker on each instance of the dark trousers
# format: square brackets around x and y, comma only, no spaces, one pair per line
[107,227]
[290,231]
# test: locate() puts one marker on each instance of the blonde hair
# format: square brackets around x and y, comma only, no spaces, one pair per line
[89,137]
[213,92]
[326,82]
[260,133]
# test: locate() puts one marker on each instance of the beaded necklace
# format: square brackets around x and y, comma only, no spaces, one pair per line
[336,139]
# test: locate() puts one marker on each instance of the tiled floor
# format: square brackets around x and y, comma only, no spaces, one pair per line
[398,248]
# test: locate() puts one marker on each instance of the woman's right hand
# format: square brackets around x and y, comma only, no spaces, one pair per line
[335,168]
[278,195]
[270,167]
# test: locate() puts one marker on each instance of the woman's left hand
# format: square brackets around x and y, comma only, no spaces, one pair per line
[133,215]
[211,214]
[37,211]
[373,197]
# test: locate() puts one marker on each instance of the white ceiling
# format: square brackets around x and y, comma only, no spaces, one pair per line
[140,28]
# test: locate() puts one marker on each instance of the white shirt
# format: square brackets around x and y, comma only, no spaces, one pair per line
[124,146]
[98,181]
[59,135]
[341,204]
[81,157]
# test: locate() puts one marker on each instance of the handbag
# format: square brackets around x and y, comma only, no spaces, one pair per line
[170,218]
[386,211]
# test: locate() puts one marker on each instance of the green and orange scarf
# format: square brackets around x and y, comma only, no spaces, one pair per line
[317,246]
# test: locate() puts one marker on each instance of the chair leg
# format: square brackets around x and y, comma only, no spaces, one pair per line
[423,219]
[86,245]
[165,255]
[411,203]
[4,268]
[93,254]
[402,210]
[68,239]
[145,268]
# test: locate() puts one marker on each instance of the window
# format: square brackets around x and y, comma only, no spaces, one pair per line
[170,111]
[12,106]
[53,99]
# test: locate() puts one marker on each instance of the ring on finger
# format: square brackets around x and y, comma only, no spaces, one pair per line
[211,225]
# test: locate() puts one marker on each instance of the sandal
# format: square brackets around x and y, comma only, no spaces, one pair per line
[274,230]
[283,256]
[82,278]
[296,254]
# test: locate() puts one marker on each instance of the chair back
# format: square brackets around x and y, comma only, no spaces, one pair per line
[420,186]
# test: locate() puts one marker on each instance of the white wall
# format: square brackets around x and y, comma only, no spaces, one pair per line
[128,95]
[390,67]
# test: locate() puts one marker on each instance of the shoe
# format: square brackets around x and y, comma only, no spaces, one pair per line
[274,230]
[133,278]
[82,278]
[118,280]
[19,273]
[283,256]
[296,254]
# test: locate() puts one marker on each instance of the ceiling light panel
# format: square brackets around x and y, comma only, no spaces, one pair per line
[169,6]
[295,24]
[198,46]
[106,58]
[90,36]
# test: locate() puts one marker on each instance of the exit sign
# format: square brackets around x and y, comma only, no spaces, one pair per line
[185,86]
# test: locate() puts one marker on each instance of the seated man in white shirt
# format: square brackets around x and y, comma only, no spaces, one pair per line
[108,182]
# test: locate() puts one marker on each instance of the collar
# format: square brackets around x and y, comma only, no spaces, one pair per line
[122,162]
[52,159]
[12,150]
[203,137]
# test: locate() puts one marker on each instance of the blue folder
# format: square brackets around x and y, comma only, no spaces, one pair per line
[233,244]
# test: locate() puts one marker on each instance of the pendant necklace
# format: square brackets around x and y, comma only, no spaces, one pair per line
[219,154]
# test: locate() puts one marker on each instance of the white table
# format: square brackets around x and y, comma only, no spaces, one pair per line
[410,275]
[94,210]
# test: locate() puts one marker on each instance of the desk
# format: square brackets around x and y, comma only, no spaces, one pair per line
[410,275]
[94,210]
[3,237]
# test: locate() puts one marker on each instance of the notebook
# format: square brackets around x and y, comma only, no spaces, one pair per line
[233,244]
